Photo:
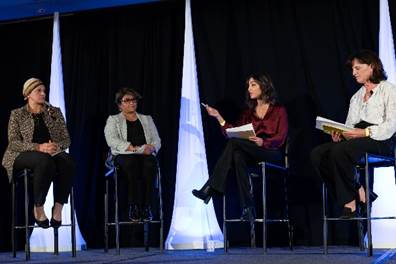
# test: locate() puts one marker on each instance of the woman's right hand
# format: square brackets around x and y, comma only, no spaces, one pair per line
[336,136]
[49,147]
[212,111]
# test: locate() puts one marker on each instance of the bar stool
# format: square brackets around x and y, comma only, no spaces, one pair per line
[264,220]
[26,174]
[369,161]
[114,170]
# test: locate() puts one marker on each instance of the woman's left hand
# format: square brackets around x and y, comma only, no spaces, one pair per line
[259,141]
[148,149]
[354,133]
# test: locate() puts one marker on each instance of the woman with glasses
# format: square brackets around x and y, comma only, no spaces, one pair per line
[134,141]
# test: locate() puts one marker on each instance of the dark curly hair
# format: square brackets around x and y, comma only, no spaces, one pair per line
[268,93]
[370,58]
[124,91]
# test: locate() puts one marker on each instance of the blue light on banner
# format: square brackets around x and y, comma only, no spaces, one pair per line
[194,224]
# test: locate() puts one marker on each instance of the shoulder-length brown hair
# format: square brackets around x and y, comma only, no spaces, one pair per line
[370,58]
[268,92]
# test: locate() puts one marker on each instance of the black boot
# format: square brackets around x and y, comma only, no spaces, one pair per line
[248,214]
[134,213]
[205,193]
[147,214]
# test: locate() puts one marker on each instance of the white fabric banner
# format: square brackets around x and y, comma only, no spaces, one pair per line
[194,224]
[42,240]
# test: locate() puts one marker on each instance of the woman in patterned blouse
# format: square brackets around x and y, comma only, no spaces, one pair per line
[372,113]
[37,139]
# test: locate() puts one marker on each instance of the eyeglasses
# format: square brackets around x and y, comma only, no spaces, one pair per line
[129,100]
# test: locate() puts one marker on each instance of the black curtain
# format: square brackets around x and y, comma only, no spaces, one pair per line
[139,47]
[302,44]
[25,51]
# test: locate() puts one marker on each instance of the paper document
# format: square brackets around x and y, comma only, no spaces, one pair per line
[329,126]
[244,131]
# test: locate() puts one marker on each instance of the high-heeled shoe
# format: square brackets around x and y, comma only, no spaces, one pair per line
[41,223]
[147,214]
[55,223]
[248,214]
[362,207]
[347,213]
[134,213]
[205,193]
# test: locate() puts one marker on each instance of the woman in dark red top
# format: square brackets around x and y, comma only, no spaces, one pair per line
[270,124]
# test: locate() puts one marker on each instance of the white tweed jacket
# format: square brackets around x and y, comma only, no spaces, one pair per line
[116,134]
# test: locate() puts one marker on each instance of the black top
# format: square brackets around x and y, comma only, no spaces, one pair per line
[135,133]
[41,133]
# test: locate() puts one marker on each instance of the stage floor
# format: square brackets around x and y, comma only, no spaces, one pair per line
[306,255]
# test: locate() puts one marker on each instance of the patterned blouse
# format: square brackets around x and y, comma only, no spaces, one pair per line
[379,109]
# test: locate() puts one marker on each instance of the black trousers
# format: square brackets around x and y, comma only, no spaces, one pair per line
[238,155]
[335,163]
[140,172]
[58,169]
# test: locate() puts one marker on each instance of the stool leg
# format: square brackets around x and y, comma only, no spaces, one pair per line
[289,226]
[369,237]
[73,223]
[359,223]
[324,204]
[160,210]
[263,175]
[56,241]
[13,237]
[27,246]
[225,225]
[106,217]
[117,223]
[146,231]
[251,222]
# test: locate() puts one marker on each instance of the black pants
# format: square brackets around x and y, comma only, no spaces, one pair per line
[335,163]
[58,169]
[238,154]
[140,172]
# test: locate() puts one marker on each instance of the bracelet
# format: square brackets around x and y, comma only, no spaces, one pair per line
[367,132]
[222,123]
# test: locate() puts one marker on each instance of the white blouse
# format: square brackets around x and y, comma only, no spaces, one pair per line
[379,109]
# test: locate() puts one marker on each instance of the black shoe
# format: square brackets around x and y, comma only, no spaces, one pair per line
[41,223]
[362,209]
[55,223]
[362,206]
[147,214]
[373,196]
[204,194]
[134,213]
[347,213]
[248,214]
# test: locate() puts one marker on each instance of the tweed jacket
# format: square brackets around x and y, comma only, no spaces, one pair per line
[116,134]
[20,133]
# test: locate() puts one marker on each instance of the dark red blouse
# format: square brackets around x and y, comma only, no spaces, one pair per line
[272,128]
